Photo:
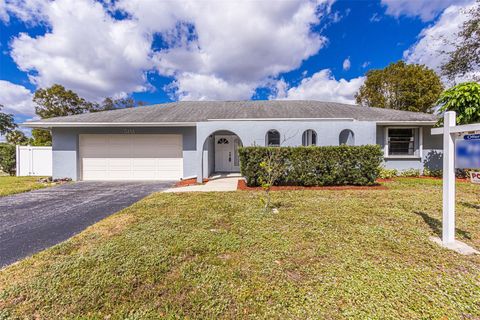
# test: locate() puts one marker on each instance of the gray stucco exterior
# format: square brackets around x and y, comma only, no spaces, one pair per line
[253,132]
[66,155]
[430,151]
[198,141]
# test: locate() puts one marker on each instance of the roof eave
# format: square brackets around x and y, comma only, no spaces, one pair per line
[283,119]
[408,122]
[45,124]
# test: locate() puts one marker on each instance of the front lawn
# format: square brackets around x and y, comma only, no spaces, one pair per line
[11,185]
[324,255]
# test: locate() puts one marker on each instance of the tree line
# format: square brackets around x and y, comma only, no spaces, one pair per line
[57,101]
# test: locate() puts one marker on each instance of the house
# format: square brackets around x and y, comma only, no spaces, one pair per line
[194,139]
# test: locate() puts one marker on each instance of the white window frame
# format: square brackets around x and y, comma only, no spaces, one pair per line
[308,135]
[353,137]
[417,154]
[267,140]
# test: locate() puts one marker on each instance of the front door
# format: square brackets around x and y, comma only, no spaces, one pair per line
[226,153]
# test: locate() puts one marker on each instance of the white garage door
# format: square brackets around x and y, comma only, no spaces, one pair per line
[131,156]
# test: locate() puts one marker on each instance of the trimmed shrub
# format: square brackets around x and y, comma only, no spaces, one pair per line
[388,173]
[410,173]
[463,173]
[314,166]
[436,173]
[7,158]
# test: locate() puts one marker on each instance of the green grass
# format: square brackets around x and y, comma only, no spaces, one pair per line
[324,255]
[11,185]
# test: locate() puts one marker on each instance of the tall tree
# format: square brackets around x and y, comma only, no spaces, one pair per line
[464,99]
[57,101]
[401,86]
[7,123]
[16,137]
[466,56]
[122,103]
[41,137]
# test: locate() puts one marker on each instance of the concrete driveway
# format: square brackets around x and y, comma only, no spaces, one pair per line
[33,221]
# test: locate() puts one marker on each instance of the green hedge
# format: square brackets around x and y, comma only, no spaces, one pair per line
[7,158]
[314,166]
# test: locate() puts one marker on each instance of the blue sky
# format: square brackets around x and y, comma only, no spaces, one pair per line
[164,51]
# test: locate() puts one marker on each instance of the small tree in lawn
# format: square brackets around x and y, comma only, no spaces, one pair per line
[464,99]
[273,169]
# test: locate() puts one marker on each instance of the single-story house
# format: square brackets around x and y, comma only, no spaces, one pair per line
[182,140]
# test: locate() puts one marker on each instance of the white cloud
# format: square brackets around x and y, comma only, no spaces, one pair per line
[16,99]
[346,64]
[85,50]
[425,9]
[375,17]
[233,45]
[320,86]
[366,64]
[194,86]
[438,39]
[30,11]
[3,12]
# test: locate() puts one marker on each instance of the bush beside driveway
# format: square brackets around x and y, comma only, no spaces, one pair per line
[325,254]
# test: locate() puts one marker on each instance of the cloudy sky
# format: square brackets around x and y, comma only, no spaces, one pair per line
[159,51]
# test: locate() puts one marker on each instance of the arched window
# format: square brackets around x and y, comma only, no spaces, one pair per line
[346,137]
[222,141]
[272,138]
[309,138]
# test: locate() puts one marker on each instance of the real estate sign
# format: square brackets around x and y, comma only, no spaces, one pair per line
[467,152]
[475,176]
[472,137]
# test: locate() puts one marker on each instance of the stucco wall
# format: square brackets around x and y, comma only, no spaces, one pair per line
[208,156]
[66,154]
[431,156]
[254,132]
[198,155]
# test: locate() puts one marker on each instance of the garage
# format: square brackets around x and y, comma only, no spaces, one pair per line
[131,156]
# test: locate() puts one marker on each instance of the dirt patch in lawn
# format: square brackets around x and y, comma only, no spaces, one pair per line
[242,185]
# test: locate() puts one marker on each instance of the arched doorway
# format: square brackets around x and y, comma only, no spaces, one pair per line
[221,153]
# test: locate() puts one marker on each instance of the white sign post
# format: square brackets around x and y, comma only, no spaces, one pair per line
[449,131]
[448,230]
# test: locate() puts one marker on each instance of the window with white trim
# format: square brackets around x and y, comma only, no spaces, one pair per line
[309,138]
[346,137]
[403,142]
[273,138]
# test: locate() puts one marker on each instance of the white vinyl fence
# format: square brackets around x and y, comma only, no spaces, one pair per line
[34,161]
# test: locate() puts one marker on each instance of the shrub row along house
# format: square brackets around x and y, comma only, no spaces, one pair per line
[194,139]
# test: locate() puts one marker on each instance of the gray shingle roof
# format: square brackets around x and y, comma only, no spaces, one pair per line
[197,111]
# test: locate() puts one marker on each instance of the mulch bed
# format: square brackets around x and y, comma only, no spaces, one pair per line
[242,185]
[188,182]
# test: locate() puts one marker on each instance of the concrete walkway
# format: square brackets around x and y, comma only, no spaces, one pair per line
[218,184]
